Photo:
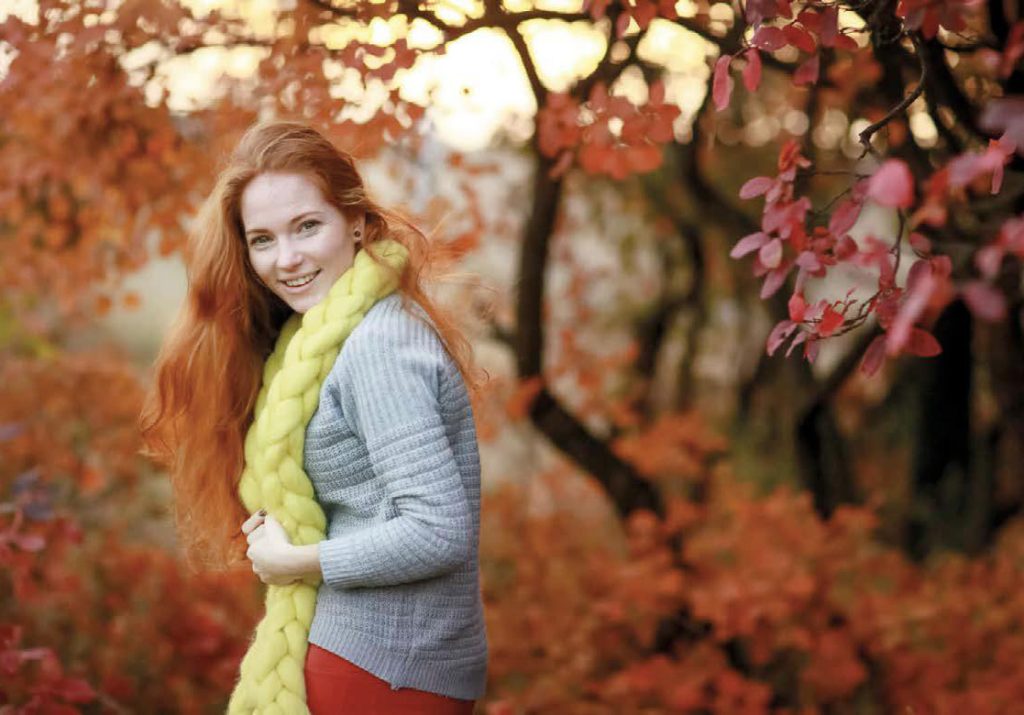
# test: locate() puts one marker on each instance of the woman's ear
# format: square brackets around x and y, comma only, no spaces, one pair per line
[359,227]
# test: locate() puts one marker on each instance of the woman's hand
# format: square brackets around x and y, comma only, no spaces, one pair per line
[270,550]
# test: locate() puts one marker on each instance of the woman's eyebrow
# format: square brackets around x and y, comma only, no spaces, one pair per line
[294,221]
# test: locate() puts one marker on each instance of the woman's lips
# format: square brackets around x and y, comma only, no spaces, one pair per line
[301,287]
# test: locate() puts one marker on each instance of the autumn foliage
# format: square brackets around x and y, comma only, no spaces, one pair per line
[666,575]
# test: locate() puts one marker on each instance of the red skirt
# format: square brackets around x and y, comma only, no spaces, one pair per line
[335,686]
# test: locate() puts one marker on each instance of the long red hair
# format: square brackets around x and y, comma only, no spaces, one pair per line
[209,368]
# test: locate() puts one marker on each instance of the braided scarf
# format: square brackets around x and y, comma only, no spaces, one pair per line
[271,676]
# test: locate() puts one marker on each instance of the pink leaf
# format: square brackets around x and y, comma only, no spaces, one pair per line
[780,332]
[748,244]
[774,281]
[807,73]
[984,300]
[721,85]
[844,217]
[756,186]
[800,337]
[29,542]
[892,185]
[771,253]
[911,309]
[988,259]
[873,356]
[752,71]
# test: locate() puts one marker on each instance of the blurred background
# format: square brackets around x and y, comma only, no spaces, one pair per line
[674,520]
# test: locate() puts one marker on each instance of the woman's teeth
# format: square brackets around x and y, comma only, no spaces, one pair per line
[298,282]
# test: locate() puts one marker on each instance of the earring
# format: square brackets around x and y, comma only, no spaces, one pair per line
[357,234]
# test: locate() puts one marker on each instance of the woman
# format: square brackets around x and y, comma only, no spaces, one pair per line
[312,400]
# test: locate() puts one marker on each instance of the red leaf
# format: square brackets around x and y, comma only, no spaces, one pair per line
[920,243]
[622,24]
[799,38]
[830,321]
[845,248]
[923,344]
[752,71]
[845,42]
[797,307]
[721,85]
[892,185]
[644,12]
[809,19]
[656,95]
[769,39]
[829,25]
[756,186]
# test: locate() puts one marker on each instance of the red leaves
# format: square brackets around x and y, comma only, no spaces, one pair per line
[927,16]
[599,146]
[642,11]
[892,185]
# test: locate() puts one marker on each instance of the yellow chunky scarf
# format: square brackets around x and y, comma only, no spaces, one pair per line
[271,676]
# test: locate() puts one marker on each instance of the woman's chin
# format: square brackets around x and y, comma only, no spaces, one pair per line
[302,303]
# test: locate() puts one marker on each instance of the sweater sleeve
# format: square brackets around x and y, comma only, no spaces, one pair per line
[391,375]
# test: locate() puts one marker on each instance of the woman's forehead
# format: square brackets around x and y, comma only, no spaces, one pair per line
[277,198]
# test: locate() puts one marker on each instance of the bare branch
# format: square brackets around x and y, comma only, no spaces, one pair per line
[872,129]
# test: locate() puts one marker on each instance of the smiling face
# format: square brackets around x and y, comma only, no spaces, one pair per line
[298,243]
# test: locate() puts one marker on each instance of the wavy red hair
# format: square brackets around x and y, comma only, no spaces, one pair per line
[209,368]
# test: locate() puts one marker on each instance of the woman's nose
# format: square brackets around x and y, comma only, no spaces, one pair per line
[287,256]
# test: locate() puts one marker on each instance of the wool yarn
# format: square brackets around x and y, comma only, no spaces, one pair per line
[271,679]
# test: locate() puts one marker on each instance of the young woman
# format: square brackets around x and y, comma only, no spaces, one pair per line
[313,401]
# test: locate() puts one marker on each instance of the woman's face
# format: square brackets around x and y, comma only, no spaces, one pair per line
[299,244]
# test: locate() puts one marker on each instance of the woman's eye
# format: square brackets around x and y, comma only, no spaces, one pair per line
[309,225]
[258,240]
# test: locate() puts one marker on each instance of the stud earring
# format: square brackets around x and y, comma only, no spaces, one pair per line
[357,233]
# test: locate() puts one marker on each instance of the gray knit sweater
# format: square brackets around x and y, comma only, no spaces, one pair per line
[392,455]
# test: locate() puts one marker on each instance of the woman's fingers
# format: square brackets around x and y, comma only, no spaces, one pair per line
[255,534]
[253,521]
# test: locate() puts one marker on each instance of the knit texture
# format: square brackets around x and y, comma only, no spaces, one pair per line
[392,454]
[271,678]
